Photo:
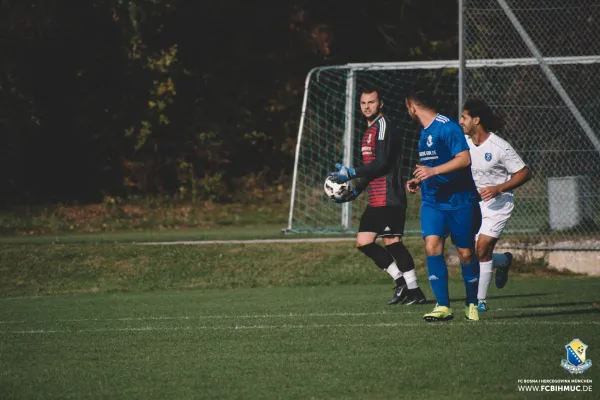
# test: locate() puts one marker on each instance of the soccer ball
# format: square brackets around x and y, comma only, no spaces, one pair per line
[335,190]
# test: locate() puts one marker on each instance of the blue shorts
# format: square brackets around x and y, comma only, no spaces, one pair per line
[462,224]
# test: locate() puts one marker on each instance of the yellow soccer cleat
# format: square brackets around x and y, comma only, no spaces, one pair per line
[439,313]
[471,312]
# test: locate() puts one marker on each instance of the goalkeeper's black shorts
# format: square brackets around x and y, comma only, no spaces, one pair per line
[384,221]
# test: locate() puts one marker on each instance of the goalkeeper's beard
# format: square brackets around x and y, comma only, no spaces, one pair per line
[372,117]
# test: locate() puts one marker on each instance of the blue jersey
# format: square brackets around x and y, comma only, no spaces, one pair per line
[440,142]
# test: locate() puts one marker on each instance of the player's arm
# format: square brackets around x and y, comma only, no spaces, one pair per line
[455,140]
[517,179]
[383,151]
[377,167]
[363,183]
[460,160]
[516,167]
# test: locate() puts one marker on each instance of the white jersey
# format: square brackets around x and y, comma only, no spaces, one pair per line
[493,162]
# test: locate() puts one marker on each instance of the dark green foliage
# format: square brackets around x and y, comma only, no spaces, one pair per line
[113,97]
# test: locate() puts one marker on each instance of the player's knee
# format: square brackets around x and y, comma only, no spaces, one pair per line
[387,241]
[365,238]
[484,250]
[466,256]
[432,249]
[434,245]
[378,254]
[483,253]
[363,242]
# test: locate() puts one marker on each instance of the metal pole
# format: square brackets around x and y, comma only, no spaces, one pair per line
[297,157]
[550,75]
[348,142]
[461,56]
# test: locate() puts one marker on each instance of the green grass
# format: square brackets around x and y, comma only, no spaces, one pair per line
[292,342]
[98,316]
[222,233]
[29,270]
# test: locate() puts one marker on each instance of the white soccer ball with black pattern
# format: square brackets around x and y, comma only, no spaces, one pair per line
[335,190]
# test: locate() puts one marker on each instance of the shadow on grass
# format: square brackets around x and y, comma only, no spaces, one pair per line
[552,314]
[578,303]
[508,296]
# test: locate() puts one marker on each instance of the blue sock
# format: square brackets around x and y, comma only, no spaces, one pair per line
[438,278]
[470,273]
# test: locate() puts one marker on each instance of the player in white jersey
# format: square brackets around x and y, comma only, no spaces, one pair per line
[497,170]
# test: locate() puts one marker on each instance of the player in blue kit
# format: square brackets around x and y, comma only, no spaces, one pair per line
[449,202]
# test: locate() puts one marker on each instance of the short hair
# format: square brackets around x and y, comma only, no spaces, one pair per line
[422,97]
[371,89]
[479,108]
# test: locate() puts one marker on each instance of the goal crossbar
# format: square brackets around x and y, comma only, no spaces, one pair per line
[495,62]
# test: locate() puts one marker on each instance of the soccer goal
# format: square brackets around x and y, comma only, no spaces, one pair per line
[331,127]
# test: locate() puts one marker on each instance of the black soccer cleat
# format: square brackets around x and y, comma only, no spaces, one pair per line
[502,272]
[415,296]
[400,295]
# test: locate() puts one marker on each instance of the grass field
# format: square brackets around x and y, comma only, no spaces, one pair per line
[98,316]
[301,342]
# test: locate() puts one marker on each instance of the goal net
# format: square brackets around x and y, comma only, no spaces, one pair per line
[540,126]
[332,127]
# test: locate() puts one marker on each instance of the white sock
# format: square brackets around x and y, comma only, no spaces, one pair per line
[500,260]
[393,271]
[485,278]
[411,279]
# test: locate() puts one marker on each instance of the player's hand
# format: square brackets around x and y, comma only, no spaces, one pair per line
[422,172]
[348,196]
[488,193]
[343,173]
[413,185]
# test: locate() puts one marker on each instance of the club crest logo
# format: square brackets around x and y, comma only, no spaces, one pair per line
[576,362]
[369,138]
[429,141]
[488,157]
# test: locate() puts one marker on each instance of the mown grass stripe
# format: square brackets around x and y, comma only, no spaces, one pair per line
[266,316]
[313,326]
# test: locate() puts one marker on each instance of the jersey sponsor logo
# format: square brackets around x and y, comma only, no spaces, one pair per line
[429,141]
[481,172]
[488,157]
[428,155]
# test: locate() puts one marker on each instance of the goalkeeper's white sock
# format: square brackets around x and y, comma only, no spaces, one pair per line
[500,260]
[393,271]
[485,278]
[411,279]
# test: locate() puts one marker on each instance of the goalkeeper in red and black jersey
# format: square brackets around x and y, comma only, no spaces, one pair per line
[385,214]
